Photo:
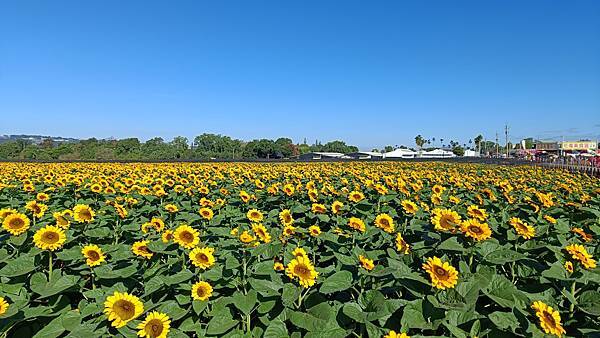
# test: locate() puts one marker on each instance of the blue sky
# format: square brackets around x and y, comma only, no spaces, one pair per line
[371,73]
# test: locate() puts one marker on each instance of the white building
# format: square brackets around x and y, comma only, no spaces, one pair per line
[437,153]
[365,155]
[400,153]
[471,153]
[321,155]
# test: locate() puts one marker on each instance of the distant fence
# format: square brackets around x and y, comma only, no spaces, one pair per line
[586,169]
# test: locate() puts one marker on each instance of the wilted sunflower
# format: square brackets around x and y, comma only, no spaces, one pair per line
[122,307]
[336,207]
[366,263]
[526,231]
[302,269]
[475,229]
[49,237]
[140,248]
[201,291]
[393,334]
[385,222]
[585,236]
[549,318]
[186,236]
[314,230]
[442,274]
[93,254]
[16,223]
[261,232]
[477,213]
[83,213]
[579,253]
[206,213]
[61,220]
[409,207]
[356,196]
[445,219]
[202,257]
[3,306]
[357,224]
[156,325]
[254,215]
[286,217]
[401,245]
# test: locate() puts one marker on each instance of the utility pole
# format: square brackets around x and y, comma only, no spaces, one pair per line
[497,145]
[506,138]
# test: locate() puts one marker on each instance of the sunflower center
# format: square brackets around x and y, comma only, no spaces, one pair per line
[51,237]
[549,319]
[440,272]
[201,292]
[93,255]
[202,258]
[187,237]
[302,271]
[16,223]
[474,229]
[85,214]
[124,309]
[154,327]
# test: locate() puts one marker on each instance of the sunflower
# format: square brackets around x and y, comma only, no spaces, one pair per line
[93,254]
[289,230]
[277,266]
[477,213]
[475,229]
[156,325]
[3,306]
[158,224]
[585,236]
[167,236]
[522,228]
[549,318]
[286,217]
[62,221]
[442,274]
[122,307]
[37,209]
[409,207]
[436,199]
[206,213]
[314,230]
[569,266]
[385,222]
[246,238]
[186,236]
[5,212]
[302,269]
[357,224]
[16,223]
[318,208]
[254,215]
[445,219]
[356,196]
[438,189]
[366,263]
[401,245]
[201,291]
[550,219]
[578,252]
[299,252]
[336,207]
[171,208]
[261,232]
[202,257]
[83,213]
[393,334]
[140,248]
[49,237]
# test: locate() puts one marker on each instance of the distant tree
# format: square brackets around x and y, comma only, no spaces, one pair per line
[419,141]
[458,150]
[387,149]
[478,140]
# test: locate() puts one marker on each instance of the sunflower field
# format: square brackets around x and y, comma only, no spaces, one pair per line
[297,250]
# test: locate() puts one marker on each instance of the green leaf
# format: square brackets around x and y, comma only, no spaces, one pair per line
[40,285]
[339,281]
[503,256]
[245,303]
[504,320]
[221,323]
[19,266]
[276,329]
[179,277]
[451,244]
[71,320]
[589,302]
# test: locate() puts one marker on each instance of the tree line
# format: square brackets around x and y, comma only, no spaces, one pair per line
[202,147]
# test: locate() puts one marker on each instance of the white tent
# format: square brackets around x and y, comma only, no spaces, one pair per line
[471,153]
[437,153]
[400,153]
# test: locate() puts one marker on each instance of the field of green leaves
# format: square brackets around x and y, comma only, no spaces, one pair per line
[297,250]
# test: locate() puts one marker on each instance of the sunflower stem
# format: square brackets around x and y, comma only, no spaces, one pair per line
[92,278]
[572,306]
[49,266]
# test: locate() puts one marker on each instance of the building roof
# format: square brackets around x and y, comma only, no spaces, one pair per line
[400,152]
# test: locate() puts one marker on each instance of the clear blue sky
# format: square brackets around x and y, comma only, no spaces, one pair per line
[368,72]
